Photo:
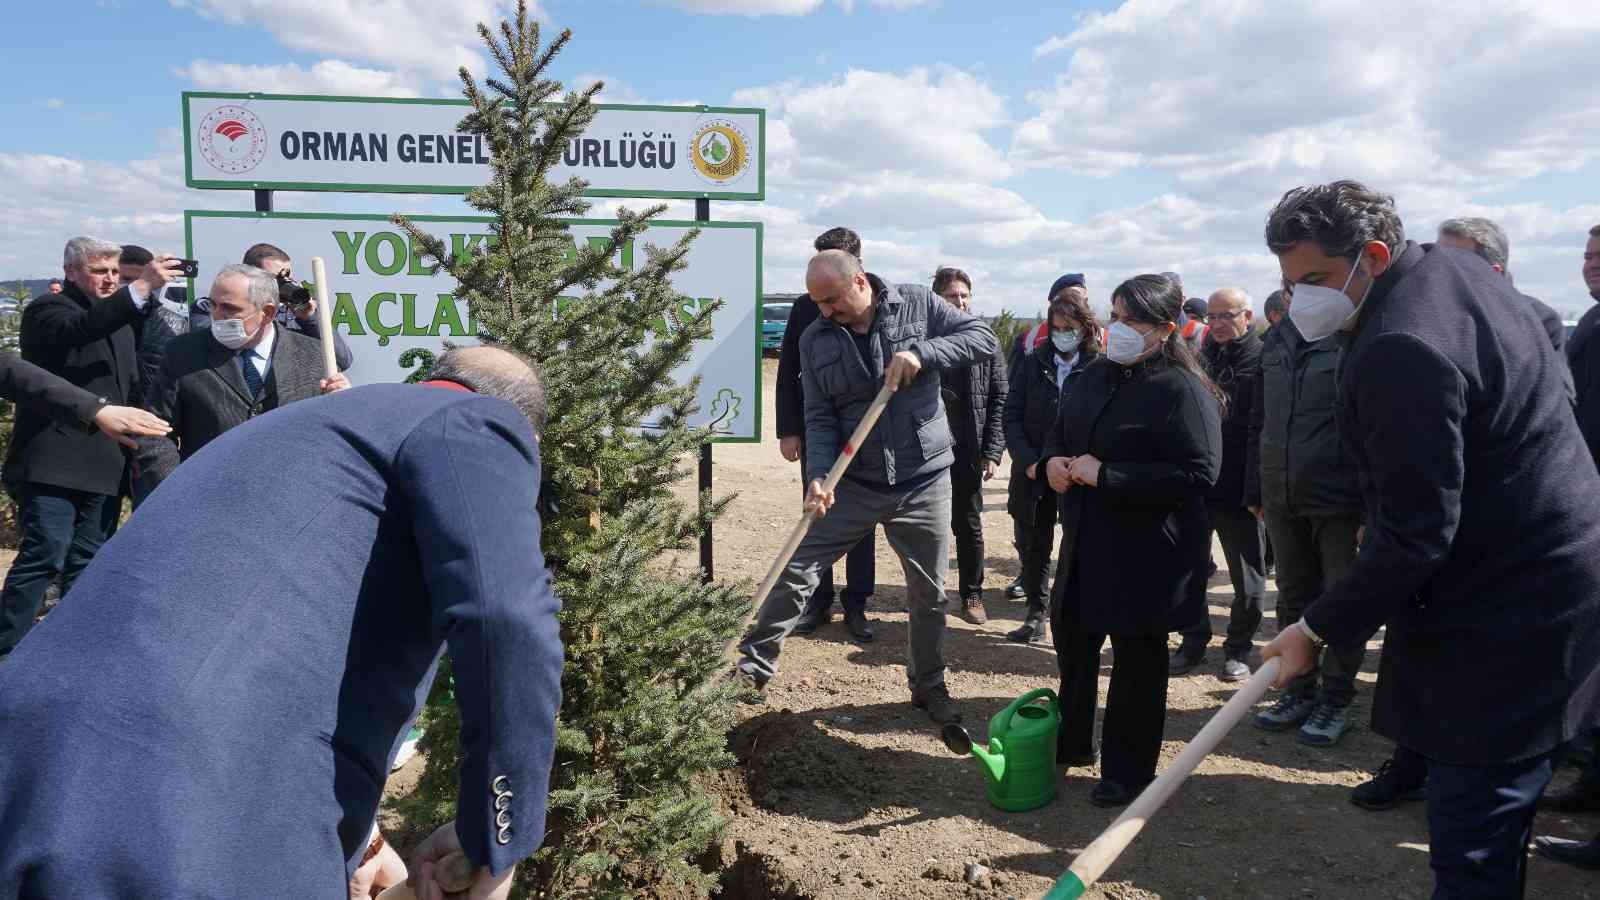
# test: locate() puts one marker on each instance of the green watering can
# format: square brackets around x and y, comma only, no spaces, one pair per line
[1020,760]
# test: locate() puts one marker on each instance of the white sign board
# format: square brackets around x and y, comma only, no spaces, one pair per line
[301,143]
[385,302]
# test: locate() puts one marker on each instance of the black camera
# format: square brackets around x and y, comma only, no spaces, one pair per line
[292,293]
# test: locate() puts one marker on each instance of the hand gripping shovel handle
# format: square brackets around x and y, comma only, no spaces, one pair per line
[846,454]
[319,275]
[1099,855]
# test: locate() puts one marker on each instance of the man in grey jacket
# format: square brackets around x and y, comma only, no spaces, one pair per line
[874,333]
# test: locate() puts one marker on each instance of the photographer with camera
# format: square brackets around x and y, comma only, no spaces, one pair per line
[215,378]
[297,309]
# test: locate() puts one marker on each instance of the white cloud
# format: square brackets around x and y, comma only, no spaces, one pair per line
[53,103]
[330,76]
[868,123]
[779,7]
[414,36]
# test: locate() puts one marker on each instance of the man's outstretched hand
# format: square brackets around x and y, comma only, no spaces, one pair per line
[125,423]
[431,871]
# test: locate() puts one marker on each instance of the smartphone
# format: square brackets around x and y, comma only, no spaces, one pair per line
[189,267]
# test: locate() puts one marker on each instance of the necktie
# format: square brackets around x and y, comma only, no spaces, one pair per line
[252,376]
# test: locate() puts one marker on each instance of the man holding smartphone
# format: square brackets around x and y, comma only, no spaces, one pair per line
[62,479]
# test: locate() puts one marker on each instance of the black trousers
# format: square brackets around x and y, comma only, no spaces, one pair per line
[1136,704]
[860,568]
[1479,821]
[1243,541]
[1034,541]
[966,520]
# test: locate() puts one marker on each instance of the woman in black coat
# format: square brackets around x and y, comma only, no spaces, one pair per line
[1135,449]
[1041,380]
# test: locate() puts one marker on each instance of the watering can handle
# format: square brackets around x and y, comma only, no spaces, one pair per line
[1022,701]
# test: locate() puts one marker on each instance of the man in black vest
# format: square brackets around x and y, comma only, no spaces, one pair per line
[860,564]
[62,479]
[1482,528]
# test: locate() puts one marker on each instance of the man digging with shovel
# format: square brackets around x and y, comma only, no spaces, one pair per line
[901,336]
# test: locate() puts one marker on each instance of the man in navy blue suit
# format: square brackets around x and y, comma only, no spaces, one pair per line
[228,716]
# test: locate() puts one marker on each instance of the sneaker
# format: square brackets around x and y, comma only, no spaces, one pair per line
[1235,669]
[1388,789]
[1325,726]
[1186,657]
[936,701]
[972,610]
[408,749]
[1289,711]
[1014,590]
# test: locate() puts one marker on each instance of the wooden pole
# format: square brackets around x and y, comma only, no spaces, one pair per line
[1099,855]
[847,454]
[319,274]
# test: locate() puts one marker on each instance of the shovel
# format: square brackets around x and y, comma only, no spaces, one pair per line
[846,454]
[1099,855]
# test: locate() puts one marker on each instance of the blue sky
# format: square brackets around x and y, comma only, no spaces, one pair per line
[1015,140]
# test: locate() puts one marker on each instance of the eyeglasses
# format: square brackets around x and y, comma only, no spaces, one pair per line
[1212,317]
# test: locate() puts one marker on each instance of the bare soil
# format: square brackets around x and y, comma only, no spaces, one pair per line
[844,790]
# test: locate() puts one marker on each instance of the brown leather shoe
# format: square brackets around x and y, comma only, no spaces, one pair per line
[972,610]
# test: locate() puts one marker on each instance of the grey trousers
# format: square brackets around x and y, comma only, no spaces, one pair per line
[917,525]
[1312,551]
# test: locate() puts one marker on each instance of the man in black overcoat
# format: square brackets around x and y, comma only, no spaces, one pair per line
[1481,552]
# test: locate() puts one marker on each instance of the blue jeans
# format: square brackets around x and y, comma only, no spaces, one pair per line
[61,530]
[1479,821]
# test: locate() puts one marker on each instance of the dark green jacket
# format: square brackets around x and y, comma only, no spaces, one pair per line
[1295,463]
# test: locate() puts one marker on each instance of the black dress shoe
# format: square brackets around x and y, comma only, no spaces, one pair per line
[1014,590]
[813,618]
[1031,632]
[1109,794]
[860,627]
[1583,854]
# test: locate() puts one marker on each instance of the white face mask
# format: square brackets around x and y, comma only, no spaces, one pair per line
[1123,344]
[230,333]
[1065,341]
[1318,311]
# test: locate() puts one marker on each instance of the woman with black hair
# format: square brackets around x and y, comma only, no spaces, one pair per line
[1136,447]
[1043,378]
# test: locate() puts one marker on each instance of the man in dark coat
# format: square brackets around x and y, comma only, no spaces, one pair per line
[1232,357]
[1482,523]
[241,703]
[65,480]
[1487,240]
[974,399]
[1583,352]
[860,564]
[205,388]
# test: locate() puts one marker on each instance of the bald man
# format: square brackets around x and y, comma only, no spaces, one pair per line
[243,700]
[1232,357]
[874,333]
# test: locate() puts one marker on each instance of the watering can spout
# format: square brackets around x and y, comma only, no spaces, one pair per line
[993,760]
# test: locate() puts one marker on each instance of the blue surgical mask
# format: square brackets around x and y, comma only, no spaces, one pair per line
[1124,346]
[1065,341]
